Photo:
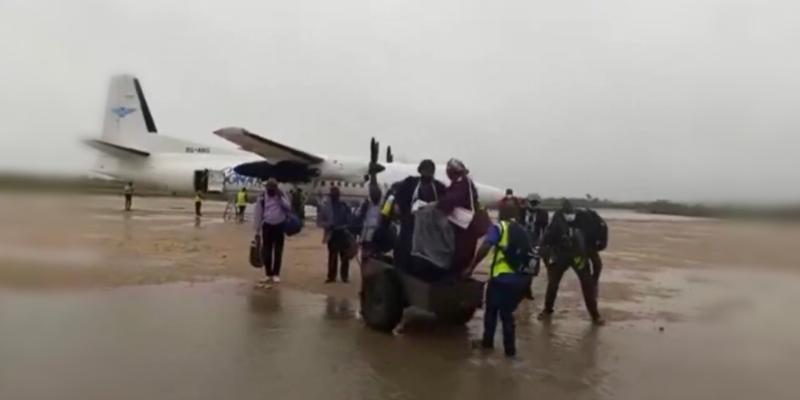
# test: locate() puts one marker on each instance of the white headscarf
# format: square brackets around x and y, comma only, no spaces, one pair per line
[456,165]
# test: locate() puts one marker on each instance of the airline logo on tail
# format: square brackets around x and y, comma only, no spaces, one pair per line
[122,112]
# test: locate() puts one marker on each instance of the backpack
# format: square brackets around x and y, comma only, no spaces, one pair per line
[594,228]
[520,253]
[293,224]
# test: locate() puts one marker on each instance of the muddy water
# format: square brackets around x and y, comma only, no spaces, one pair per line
[724,294]
[228,340]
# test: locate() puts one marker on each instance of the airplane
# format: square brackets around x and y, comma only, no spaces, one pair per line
[132,149]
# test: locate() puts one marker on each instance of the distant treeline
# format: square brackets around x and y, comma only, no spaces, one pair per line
[667,207]
[91,185]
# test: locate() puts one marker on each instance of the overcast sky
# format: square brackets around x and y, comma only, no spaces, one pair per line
[626,99]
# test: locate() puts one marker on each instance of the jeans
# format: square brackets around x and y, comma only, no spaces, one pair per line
[272,238]
[503,295]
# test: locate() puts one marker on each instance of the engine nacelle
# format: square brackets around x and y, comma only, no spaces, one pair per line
[284,171]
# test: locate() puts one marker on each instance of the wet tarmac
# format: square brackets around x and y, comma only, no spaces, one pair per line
[96,303]
[229,340]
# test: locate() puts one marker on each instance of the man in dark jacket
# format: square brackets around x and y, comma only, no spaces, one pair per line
[410,194]
[567,248]
[336,218]
[537,218]
[509,208]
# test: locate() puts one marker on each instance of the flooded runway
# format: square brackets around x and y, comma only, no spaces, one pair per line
[156,304]
[229,340]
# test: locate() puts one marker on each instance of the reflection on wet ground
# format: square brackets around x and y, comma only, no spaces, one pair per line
[696,309]
[228,340]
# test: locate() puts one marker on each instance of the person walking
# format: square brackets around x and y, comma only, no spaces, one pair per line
[537,218]
[128,192]
[198,204]
[271,210]
[369,218]
[241,204]
[336,218]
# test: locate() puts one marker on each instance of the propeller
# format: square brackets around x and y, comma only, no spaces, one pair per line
[374,167]
[389,155]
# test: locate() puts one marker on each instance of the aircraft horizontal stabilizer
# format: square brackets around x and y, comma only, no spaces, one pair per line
[271,150]
[116,149]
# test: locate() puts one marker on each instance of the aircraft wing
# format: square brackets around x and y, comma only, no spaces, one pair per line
[271,150]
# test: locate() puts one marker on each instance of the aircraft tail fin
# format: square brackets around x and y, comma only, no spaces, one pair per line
[127,114]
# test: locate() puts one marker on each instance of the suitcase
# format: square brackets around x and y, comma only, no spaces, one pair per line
[255,253]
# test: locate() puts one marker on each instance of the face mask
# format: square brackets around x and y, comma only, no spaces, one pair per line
[271,192]
[569,217]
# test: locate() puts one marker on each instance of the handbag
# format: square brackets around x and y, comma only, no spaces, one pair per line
[255,253]
[461,216]
[416,203]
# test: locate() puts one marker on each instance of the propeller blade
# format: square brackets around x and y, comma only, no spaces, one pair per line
[374,148]
[389,155]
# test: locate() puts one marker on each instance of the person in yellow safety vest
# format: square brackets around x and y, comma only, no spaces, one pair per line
[128,191]
[504,290]
[198,203]
[241,204]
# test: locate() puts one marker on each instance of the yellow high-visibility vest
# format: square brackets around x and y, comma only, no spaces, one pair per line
[241,199]
[499,264]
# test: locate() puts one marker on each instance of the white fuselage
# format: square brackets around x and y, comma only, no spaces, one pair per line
[175,173]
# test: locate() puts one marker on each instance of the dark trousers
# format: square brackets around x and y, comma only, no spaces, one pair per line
[240,212]
[272,237]
[465,244]
[503,295]
[554,274]
[198,206]
[337,244]
[538,230]
[128,202]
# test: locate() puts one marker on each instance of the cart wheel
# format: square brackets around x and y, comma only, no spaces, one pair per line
[381,301]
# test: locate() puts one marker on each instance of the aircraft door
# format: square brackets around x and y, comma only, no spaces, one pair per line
[201,180]
[215,181]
